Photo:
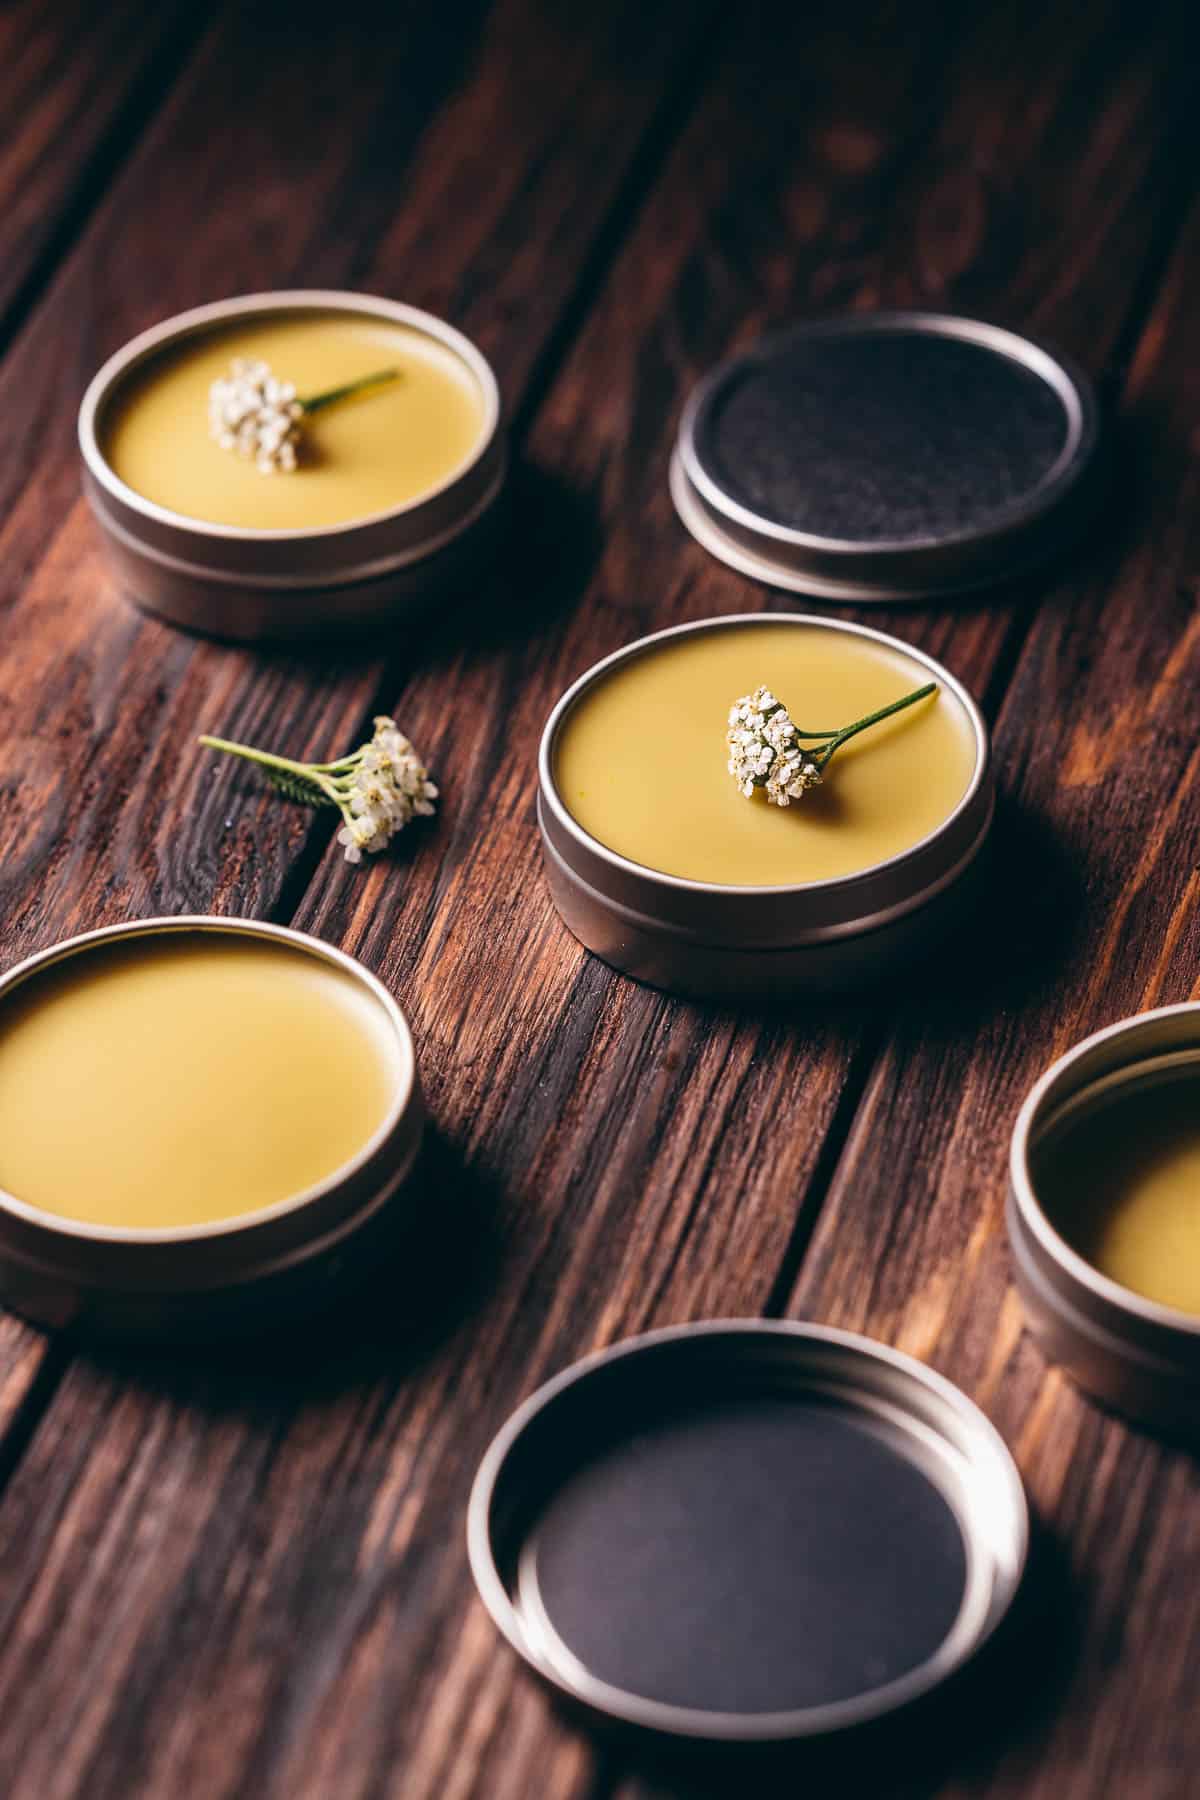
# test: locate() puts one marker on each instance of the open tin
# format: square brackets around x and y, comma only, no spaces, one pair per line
[246,584]
[746,1532]
[887,456]
[245,1272]
[1138,1356]
[711,940]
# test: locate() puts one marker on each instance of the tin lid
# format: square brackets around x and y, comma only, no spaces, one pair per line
[887,456]
[747,1532]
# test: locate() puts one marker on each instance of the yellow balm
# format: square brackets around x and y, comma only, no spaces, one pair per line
[188,1077]
[383,448]
[1120,1178]
[641,760]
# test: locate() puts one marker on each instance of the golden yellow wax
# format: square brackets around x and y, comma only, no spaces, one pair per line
[641,760]
[367,454]
[1121,1180]
[187,1077]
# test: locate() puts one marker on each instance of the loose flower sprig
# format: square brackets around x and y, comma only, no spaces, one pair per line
[254,413]
[377,788]
[766,749]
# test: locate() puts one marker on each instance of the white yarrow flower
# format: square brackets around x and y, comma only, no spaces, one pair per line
[765,752]
[378,788]
[253,413]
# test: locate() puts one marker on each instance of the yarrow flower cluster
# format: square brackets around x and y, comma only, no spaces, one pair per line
[388,786]
[768,750]
[253,412]
[765,751]
[378,788]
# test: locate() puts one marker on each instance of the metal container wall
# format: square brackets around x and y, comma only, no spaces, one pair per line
[1137,1356]
[714,941]
[247,585]
[233,1274]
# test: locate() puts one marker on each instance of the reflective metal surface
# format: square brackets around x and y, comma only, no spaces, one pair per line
[247,585]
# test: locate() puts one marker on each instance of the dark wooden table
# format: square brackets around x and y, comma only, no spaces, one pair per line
[245,1576]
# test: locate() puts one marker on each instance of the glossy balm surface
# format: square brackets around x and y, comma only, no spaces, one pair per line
[182,1078]
[1120,1179]
[640,761]
[368,454]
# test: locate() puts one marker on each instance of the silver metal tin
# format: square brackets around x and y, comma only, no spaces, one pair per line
[708,940]
[1141,1358]
[930,1422]
[248,1272]
[247,585]
[1016,537]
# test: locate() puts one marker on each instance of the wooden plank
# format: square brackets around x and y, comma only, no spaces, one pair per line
[264,1565]
[109,809]
[77,82]
[1094,917]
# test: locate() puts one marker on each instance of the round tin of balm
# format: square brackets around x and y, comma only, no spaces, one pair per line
[747,1532]
[240,573]
[205,1125]
[1104,1216]
[887,456]
[845,886]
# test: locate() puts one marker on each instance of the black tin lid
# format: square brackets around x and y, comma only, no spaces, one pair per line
[747,1532]
[887,456]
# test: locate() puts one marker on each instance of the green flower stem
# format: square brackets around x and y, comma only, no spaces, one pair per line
[325,776]
[885,712]
[316,402]
[824,743]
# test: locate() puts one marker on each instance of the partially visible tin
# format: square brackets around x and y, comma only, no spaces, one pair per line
[746,1532]
[888,456]
[246,585]
[709,940]
[244,1273]
[1137,1356]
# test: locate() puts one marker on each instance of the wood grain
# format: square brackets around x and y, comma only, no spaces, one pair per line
[109,809]
[77,83]
[247,1576]
[1096,918]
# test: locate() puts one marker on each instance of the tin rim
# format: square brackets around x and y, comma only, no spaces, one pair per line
[1068,382]
[82,944]
[220,312]
[1029,1208]
[599,671]
[966,1637]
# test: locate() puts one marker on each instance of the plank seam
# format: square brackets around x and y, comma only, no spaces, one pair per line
[661,132]
[130,124]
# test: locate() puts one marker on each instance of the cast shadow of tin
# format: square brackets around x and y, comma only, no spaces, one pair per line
[1007,949]
[1011,947]
[427,1277]
[547,544]
[999,1707]
[541,553]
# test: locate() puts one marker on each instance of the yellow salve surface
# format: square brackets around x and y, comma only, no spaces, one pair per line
[185,1077]
[1120,1179]
[641,760]
[366,454]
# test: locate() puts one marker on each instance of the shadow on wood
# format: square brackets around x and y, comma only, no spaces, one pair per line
[441,1255]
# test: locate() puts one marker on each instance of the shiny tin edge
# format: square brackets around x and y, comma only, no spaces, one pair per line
[215,924]
[250,584]
[946,1428]
[881,569]
[695,918]
[216,313]
[1133,1353]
